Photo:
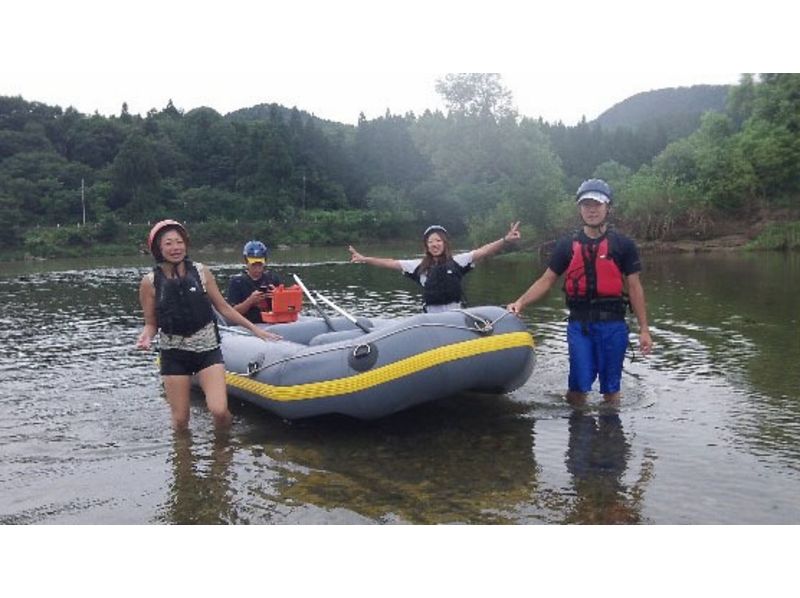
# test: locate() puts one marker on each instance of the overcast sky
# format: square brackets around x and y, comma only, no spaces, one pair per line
[339,58]
[338,96]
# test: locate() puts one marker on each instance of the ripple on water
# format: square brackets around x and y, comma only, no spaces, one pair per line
[84,427]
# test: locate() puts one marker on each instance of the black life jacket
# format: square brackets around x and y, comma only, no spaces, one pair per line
[593,281]
[182,305]
[442,283]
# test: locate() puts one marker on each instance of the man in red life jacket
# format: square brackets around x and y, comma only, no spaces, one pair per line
[597,264]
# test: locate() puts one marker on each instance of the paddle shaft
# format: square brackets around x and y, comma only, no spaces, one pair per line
[314,302]
[341,311]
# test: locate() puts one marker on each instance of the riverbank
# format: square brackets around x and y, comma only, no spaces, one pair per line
[770,232]
[738,242]
[730,243]
[778,231]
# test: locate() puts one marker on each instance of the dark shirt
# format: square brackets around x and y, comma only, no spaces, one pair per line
[623,251]
[242,286]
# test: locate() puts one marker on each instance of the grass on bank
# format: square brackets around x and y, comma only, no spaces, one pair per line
[779,236]
[113,238]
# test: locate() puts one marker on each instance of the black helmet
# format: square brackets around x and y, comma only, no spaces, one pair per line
[596,189]
[255,251]
[434,228]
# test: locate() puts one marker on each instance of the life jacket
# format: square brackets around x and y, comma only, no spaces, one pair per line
[442,283]
[593,281]
[182,305]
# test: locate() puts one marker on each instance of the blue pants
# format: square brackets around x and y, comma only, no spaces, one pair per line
[596,349]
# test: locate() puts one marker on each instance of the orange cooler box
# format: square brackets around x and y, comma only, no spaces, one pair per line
[286,305]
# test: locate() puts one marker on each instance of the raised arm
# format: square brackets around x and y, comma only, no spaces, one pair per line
[381,262]
[512,236]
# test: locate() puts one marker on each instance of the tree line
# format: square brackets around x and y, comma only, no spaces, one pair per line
[291,177]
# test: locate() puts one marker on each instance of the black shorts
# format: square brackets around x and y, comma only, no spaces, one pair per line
[177,362]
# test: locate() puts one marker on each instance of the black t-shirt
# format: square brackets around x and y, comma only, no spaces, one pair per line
[242,286]
[623,251]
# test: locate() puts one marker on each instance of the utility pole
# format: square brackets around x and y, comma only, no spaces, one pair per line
[83,203]
[304,190]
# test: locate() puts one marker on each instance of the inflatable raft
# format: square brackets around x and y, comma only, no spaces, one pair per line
[372,368]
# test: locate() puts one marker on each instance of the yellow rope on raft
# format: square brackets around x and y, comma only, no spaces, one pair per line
[384,374]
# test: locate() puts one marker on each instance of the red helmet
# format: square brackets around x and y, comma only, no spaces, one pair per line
[161,227]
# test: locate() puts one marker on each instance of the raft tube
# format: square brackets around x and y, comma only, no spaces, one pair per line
[400,363]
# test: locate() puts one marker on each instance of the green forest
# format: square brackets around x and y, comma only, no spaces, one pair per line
[77,184]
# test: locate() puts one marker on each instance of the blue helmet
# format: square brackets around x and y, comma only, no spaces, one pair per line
[596,189]
[255,251]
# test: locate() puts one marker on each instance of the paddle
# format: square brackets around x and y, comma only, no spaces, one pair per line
[343,312]
[314,302]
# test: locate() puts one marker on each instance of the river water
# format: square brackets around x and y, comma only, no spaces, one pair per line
[708,430]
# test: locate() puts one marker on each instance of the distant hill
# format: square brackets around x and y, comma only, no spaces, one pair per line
[672,104]
[266,112]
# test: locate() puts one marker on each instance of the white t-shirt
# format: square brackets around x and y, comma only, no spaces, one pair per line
[462,259]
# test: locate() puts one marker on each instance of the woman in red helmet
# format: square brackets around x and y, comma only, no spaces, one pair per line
[178,297]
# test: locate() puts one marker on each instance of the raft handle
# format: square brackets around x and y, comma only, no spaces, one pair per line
[358,353]
[363,357]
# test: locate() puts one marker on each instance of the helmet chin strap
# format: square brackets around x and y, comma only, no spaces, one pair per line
[595,226]
[598,227]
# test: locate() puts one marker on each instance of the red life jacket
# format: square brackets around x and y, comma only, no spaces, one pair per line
[592,273]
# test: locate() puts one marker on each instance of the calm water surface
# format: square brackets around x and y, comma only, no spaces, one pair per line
[708,430]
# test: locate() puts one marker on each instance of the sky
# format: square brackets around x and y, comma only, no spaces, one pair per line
[338,59]
[339,96]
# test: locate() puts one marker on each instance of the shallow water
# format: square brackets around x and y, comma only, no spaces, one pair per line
[708,430]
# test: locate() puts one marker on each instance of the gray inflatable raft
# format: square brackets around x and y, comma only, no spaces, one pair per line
[400,363]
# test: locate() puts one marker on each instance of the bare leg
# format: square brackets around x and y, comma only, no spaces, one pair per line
[177,389]
[612,399]
[212,381]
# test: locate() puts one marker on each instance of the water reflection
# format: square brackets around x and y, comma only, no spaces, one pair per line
[200,492]
[468,459]
[597,458]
